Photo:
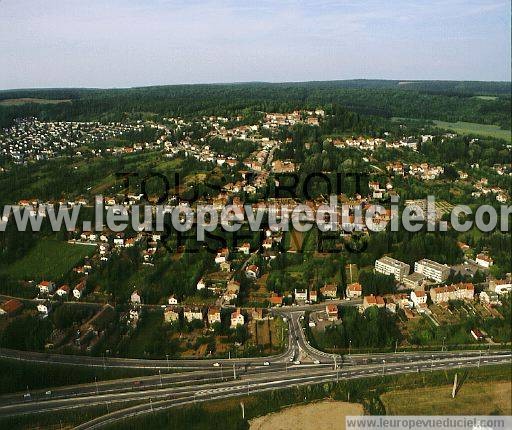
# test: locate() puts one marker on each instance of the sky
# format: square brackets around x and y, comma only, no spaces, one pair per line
[124,43]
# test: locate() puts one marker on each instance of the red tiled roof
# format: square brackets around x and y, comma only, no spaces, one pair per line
[12,306]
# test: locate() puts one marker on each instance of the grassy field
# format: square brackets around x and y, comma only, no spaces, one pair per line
[18,375]
[48,259]
[485,398]
[22,101]
[474,128]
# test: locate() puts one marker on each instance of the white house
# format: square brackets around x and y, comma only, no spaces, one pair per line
[245,248]
[301,295]
[173,300]
[46,287]
[490,297]
[222,255]
[484,260]
[252,271]
[200,284]
[418,297]
[237,319]
[191,314]
[44,309]
[62,291]
[79,290]
[135,298]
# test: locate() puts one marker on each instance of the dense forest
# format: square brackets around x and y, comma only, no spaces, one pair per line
[480,102]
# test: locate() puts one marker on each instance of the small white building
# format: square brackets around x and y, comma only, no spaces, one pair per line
[237,319]
[418,297]
[135,298]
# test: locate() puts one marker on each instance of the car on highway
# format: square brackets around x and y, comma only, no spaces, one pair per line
[296,362]
[266,363]
[48,393]
[216,364]
[26,396]
[316,361]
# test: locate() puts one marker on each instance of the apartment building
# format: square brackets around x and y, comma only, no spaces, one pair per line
[432,270]
[390,266]
[459,291]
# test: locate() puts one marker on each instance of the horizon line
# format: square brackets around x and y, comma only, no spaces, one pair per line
[251,82]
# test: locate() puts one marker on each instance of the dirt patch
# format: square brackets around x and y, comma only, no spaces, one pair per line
[327,415]
[473,399]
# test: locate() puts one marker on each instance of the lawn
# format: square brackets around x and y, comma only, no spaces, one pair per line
[474,128]
[484,398]
[48,259]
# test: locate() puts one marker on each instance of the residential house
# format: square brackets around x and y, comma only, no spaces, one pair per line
[372,300]
[191,314]
[301,295]
[135,298]
[134,315]
[329,291]
[354,290]
[257,314]
[275,300]
[172,300]
[490,297]
[245,248]
[44,309]
[418,297]
[237,318]
[11,307]
[332,311]
[313,296]
[484,260]
[459,291]
[200,284]
[63,291]
[171,314]
[213,315]
[79,289]
[252,271]
[46,287]
[222,255]
[501,286]
[232,290]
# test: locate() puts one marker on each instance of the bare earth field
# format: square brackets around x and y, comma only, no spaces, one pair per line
[327,415]
[472,399]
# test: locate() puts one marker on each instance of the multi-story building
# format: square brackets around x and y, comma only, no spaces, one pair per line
[459,291]
[414,280]
[432,270]
[390,266]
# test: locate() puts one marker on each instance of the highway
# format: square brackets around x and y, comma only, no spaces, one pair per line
[203,380]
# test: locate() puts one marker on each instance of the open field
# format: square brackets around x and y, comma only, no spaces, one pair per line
[48,259]
[22,101]
[474,128]
[484,398]
[328,415]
